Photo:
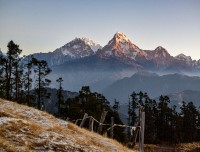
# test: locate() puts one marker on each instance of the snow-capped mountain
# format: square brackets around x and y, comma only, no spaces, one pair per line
[187,59]
[79,48]
[84,62]
[75,49]
[124,51]
[121,47]
[158,58]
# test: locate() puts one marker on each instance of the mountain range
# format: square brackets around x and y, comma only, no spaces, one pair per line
[118,68]
[123,50]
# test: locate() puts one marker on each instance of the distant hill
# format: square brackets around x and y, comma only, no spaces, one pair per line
[187,96]
[151,83]
[25,129]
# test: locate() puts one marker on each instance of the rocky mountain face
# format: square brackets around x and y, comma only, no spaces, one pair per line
[119,46]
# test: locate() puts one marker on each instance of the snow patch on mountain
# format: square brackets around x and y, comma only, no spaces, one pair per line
[183,57]
[93,45]
[79,48]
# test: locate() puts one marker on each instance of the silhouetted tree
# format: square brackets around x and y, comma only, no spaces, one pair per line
[11,69]
[28,80]
[42,70]
[116,105]
[60,95]
[2,77]
[189,123]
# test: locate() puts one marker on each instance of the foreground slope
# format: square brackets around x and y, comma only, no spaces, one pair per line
[25,129]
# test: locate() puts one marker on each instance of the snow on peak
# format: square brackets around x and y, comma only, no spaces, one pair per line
[94,46]
[121,37]
[120,46]
[78,48]
[161,52]
[183,57]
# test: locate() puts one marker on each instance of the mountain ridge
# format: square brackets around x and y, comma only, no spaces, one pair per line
[151,83]
[121,48]
[118,59]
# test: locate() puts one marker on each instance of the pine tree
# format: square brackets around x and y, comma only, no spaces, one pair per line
[42,70]
[116,105]
[28,80]
[163,118]
[18,73]
[60,95]
[2,77]
[189,124]
[134,105]
[11,68]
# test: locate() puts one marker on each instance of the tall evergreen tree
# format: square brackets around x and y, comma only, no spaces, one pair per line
[132,112]
[28,80]
[116,105]
[42,70]
[11,67]
[17,73]
[163,118]
[60,95]
[189,124]
[2,76]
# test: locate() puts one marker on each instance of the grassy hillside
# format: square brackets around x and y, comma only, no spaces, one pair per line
[25,129]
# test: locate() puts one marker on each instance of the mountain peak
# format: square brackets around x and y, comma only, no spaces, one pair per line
[160,48]
[78,48]
[120,46]
[161,52]
[120,36]
[183,57]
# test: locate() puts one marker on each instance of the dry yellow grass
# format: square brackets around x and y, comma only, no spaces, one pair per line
[26,129]
[184,147]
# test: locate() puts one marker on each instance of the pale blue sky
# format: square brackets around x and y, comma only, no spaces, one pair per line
[44,25]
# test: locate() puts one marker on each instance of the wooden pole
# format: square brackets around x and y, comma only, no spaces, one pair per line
[112,127]
[103,116]
[91,123]
[142,128]
[83,120]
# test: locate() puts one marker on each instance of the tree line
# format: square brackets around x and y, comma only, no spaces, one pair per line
[16,81]
[164,124]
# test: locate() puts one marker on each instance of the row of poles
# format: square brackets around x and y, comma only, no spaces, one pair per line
[138,129]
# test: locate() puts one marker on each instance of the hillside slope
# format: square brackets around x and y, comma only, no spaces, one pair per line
[25,129]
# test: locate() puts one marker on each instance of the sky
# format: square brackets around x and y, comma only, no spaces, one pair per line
[44,25]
